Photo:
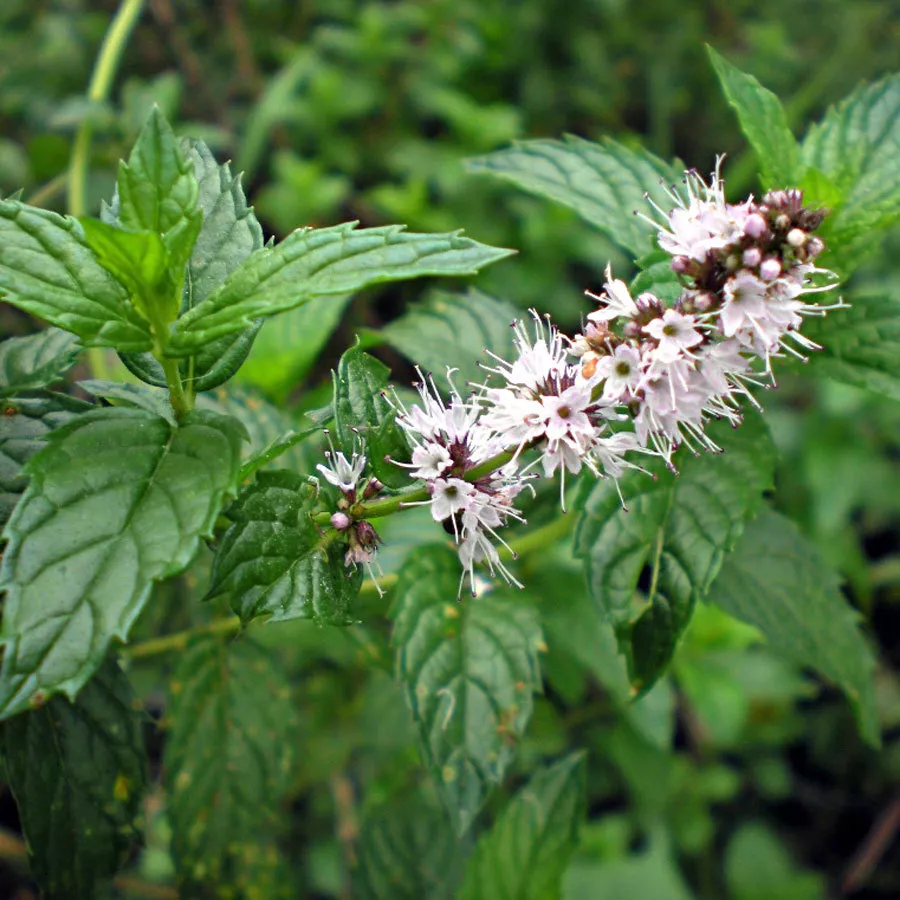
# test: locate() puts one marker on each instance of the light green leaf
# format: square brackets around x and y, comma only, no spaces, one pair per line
[47,269]
[763,122]
[36,360]
[605,183]
[228,760]
[325,261]
[118,499]
[455,328]
[777,581]
[78,772]
[136,396]
[524,856]
[676,531]
[469,669]
[273,560]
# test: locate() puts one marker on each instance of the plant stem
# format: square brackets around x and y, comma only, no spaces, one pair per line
[539,538]
[49,190]
[177,396]
[179,640]
[98,90]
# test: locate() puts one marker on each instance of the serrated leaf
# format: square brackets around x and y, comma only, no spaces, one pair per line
[118,499]
[763,122]
[228,759]
[36,360]
[524,856]
[273,561]
[325,261]
[777,581]
[678,529]
[136,396]
[605,182]
[47,269]
[455,329]
[24,426]
[363,415]
[408,851]
[78,772]
[469,670]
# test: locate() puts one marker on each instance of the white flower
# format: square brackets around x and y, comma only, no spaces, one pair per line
[565,413]
[620,371]
[341,473]
[449,496]
[676,334]
[616,300]
[430,460]
[745,303]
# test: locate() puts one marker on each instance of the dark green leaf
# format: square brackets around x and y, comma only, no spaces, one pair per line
[778,581]
[228,760]
[120,393]
[78,771]
[763,122]
[47,269]
[35,361]
[457,329]
[605,183]
[326,261]
[363,415]
[678,529]
[118,499]
[273,561]
[469,669]
[525,854]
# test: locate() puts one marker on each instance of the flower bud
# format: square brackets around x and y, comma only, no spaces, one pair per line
[755,226]
[814,246]
[796,237]
[340,521]
[770,269]
[372,488]
[682,265]
[732,262]
[783,222]
[704,301]
[752,257]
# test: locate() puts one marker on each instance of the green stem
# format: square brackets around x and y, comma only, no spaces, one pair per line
[179,640]
[177,396]
[98,90]
[540,538]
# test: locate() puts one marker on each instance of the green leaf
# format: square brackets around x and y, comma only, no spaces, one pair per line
[275,448]
[136,396]
[273,561]
[605,183]
[228,759]
[777,581]
[362,413]
[469,670]
[24,426]
[118,499]
[525,854]
[47,269]
[407,851]
[763,122]
[656,276]
[78,772]
[325,261]
[676,531]
[457,329]
[35,361]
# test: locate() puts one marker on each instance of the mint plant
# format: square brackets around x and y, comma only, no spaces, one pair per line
[634,454]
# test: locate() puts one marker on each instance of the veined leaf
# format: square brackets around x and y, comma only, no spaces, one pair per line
[524,856]
[763,122]
[118,499]
[273,561]
[778,582]
[469,669]
[36,360]
[228,759]
[47,269]
[325,261]
[677,530]
[605,183]
[136,396]
[78,772]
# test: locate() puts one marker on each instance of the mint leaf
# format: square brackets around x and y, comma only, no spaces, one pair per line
[228,760]
[136,396]
[47,269]
[457,327]
[273,560]
[469,670]
[777,581]
[605,183]
[78,772]
[676,531]
[363,415]
[36,360]
[763,122]
[118,499]
[524,856]
[274,449]
[325,261]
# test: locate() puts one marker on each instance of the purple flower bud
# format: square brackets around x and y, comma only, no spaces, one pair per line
[366,534]
[340,521]
[752,257]
[796,237]
[704,302]
[755,226]
[783,222]
[814,246]
[372,488]
[770,269]
[681,265]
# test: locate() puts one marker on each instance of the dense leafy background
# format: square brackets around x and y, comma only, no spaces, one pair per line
[741,774]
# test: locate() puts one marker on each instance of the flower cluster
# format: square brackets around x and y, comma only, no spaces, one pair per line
[643,377]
